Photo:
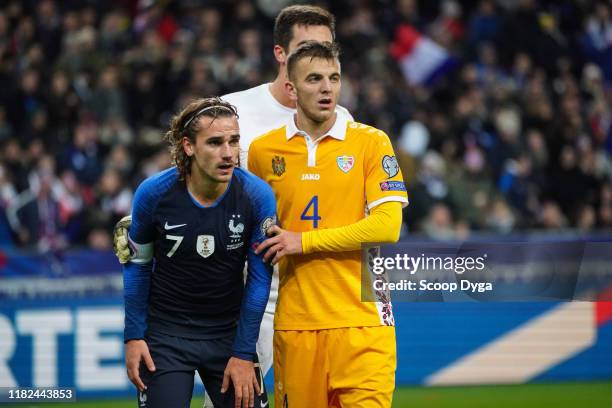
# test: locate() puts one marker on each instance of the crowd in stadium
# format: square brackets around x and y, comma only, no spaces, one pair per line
[517,136]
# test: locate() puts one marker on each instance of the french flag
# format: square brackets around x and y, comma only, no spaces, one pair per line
[421,60]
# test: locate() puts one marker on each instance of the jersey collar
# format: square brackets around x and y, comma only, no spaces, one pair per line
[337,131]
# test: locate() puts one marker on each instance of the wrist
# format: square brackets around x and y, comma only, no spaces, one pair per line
[250,357]
[306,238]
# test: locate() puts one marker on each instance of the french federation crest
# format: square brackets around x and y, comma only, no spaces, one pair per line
[345,163]
[205,245]
[278,165]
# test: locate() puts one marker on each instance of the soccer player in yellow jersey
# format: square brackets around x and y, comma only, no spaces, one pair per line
[331,349]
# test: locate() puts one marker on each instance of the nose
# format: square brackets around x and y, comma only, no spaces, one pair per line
[326,85]
[226,151]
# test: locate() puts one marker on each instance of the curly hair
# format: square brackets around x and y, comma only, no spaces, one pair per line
[186,124]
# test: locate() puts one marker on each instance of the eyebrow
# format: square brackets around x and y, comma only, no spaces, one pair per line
[219,137]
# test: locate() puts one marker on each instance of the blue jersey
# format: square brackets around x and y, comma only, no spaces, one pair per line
[186,276]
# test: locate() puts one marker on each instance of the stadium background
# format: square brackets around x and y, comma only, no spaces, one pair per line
[502,125]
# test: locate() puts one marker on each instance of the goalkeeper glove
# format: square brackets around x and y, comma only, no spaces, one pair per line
[120,239]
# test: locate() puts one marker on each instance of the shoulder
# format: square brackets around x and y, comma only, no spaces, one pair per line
[244,97]
[158,184]
[343,112]
[366,132]
[253,186]
[270,137]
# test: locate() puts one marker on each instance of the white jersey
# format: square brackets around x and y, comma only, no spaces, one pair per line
[259,112]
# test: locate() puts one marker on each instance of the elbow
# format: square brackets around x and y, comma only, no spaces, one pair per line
[392,232]
[392,223]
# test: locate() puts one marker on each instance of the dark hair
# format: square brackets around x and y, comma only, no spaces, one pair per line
[186,124]
[312,49]
[304,15]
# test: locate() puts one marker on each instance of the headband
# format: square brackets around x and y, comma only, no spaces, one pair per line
[201,111]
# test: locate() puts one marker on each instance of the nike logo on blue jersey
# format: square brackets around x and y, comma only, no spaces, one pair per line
[169,227]
[263,404]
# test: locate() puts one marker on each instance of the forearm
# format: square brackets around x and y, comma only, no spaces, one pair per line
[382,225]
[136,283]
[253,306]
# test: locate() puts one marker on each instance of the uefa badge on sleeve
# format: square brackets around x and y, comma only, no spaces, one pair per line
[390,166]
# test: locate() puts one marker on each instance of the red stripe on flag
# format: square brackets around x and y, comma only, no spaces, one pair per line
[406,38]
[603,308]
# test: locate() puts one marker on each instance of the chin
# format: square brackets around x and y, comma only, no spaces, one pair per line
[223,178]
[322,116]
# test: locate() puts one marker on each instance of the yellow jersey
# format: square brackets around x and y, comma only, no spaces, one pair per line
[327,183]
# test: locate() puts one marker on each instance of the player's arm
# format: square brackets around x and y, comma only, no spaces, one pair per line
[385,194]
[381,226]
[136,283]
[257,290]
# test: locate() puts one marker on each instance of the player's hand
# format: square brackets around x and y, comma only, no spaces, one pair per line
[241,373]
[281,244]
[120,239]
[135,352]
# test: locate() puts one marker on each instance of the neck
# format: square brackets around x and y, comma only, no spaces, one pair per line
[315,129]
[277,88]
[203,189]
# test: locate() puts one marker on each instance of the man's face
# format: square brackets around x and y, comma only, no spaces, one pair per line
[216,148]
[303,33]
[315,85]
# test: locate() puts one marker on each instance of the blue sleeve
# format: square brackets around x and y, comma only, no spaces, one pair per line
[259,275]
[137,272]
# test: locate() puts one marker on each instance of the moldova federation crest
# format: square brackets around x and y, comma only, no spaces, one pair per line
[205,245]
[278,165]
[345,163]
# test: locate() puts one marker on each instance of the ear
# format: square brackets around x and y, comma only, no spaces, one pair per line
[280,55]
[188,147]
[291,91]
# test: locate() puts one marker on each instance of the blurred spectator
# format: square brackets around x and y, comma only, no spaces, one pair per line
[35,213]
[519,136]
[439,223]
[483,25]
[82,155]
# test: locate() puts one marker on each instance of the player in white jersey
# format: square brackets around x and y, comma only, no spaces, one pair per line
[263,108]
[268,106]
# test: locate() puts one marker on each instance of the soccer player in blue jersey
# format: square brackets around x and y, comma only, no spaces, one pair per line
[186,305]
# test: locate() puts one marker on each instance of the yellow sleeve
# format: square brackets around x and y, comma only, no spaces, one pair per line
[382,225]
[251,163]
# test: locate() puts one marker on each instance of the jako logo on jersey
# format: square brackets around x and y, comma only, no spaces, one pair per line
[345,163]
[390,166]
[205,245]
[278,165]
[311,176]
